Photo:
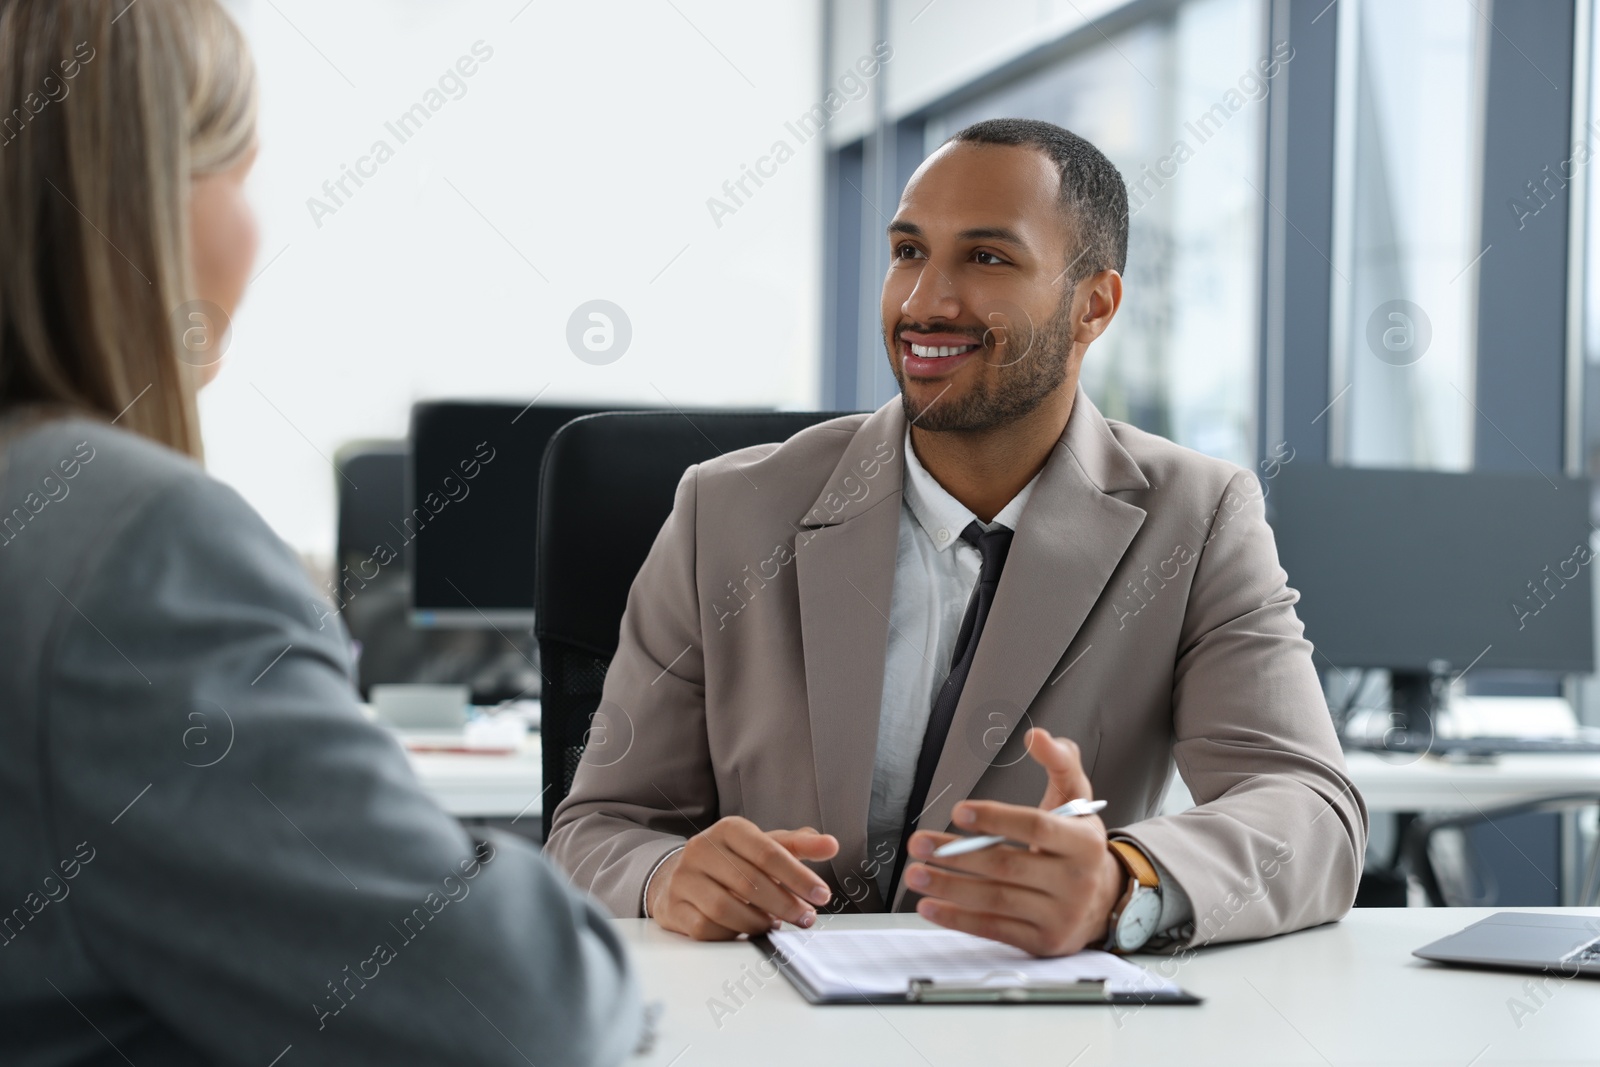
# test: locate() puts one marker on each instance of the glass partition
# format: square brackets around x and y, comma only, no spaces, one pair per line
[1406,225]
[1176,102]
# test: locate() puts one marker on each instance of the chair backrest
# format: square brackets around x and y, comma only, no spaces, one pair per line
[606,488]
[371,484]
[1510,856]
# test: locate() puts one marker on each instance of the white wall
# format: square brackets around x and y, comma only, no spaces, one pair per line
[590,140]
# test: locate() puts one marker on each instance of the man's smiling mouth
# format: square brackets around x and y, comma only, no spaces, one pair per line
[929,355]
[940,351]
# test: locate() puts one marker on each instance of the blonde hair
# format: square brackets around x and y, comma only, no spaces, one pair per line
[107,111]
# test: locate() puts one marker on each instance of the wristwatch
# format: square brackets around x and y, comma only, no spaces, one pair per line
[1135,915]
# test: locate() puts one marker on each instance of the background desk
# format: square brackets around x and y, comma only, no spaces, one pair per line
[485,785]
[502,787]
[1347,993]
[1409,783]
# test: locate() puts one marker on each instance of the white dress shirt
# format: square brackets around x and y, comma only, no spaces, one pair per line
[935,572]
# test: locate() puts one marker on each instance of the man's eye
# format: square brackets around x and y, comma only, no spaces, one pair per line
[988,259]
[907,252]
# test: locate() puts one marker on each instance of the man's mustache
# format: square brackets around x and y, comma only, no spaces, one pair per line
[977,335]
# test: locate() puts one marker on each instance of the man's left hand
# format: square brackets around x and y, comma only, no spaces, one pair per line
[1051,897]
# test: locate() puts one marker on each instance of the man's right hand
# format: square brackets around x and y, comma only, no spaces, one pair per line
[734,878]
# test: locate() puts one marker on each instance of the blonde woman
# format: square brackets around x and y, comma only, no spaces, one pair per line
[206,855]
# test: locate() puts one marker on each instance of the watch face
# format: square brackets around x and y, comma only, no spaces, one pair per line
[1137,923]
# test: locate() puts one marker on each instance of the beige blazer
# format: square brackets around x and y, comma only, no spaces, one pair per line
[1142,613]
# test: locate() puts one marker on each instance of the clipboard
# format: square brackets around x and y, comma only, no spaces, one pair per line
[929,991]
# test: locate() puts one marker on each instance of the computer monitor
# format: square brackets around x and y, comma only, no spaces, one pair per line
[1427,573]
[473,493]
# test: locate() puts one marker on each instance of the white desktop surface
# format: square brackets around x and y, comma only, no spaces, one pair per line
[502,786]
[1411,783]
[483,785]
[1346,993]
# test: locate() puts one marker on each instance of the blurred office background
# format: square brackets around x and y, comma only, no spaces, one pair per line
[1361,231]
[1295,168]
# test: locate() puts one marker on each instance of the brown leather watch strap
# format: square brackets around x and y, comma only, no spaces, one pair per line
[1134,860]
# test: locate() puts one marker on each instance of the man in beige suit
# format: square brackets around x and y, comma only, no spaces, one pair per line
[955,613]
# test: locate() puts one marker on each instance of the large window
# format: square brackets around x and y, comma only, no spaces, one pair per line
[1322,256]
[1176,102]
[1406,233]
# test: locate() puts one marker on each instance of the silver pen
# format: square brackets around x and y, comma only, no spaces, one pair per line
[978,844]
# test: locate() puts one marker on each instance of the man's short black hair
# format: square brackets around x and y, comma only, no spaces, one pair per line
[1093,194]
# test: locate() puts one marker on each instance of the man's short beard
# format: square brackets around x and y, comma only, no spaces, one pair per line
[1025,383]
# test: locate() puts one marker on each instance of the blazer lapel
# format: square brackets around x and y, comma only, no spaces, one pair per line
[1068,543]
[845,550]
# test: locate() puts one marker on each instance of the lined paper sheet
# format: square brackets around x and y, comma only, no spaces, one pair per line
[883,962]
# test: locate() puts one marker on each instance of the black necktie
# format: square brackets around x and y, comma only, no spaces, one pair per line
[993,545]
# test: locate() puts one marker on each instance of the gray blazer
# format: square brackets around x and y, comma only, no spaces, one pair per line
[1142,613]
[207,855]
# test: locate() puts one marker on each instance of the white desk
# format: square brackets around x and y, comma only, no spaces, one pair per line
[501,787]
[484,785]
[1409,783]
[1405,783]
[1348,993]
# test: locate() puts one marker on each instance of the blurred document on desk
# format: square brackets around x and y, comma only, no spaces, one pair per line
[884,962]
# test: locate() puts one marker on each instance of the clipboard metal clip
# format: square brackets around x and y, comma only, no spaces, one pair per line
[927,991]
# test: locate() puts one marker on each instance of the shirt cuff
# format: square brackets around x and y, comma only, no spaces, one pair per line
[644,896]
[1176,911]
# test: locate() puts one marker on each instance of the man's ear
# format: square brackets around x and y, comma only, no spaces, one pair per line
[1095,305]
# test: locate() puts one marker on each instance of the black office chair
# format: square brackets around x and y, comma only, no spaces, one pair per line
[371,486]
[372,492]
[607,486]
[1455,857]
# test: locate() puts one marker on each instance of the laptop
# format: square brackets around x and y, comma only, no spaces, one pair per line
[1524,941]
